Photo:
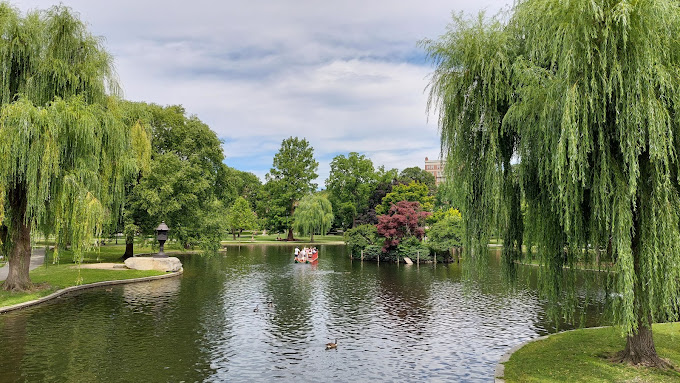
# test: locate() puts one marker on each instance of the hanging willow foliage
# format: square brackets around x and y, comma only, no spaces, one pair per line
[65,151]
[584,95]
[314,214]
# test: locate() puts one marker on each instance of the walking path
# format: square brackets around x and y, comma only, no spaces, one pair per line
[37,260]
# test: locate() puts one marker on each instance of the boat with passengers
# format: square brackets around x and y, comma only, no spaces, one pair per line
[306,255]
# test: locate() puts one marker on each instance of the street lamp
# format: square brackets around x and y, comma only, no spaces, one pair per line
[162,236]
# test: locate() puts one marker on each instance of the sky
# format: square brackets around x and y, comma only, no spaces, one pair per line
[346,75]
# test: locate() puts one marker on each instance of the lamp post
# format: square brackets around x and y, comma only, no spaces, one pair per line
[162,236]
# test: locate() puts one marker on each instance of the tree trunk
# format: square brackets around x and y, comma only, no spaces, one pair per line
[311,237]
[290,235]
[640,348]
[233,234]
[20,244]
[129,245]
[129,250]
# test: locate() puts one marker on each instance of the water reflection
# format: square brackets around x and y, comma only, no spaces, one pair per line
[253,315]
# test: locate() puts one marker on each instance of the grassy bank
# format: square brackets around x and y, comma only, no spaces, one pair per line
[52,277]
[582,356]
[56,277]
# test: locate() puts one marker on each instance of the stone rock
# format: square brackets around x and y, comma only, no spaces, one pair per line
[170,264]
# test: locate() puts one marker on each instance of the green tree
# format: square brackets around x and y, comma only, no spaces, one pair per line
[314,214]
[419,175]
[249,187]
[213,224]
[358,237]
[241,217]
[413,192]
[65,152]
[446,233]
[385,180]
[289,180]
[232,183]
[586,95]
[183,181]
[350,184]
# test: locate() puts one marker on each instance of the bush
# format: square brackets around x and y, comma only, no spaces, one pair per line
[413,251]
[445,234]
[371,253]
[360,237]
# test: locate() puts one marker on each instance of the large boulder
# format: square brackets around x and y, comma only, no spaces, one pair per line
[169,264]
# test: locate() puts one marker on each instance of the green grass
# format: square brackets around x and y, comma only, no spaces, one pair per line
[56,277]
[581,356]
[272,239]
[65,274]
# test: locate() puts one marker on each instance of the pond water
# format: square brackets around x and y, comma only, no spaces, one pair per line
[392,324]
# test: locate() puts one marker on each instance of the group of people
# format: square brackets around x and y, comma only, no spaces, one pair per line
[305,251]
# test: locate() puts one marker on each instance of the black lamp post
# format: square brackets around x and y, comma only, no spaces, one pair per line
[162,236]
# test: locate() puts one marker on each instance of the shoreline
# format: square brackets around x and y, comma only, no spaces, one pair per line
[71,289]
[499,373]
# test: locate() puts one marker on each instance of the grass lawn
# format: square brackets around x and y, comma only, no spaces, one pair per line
[51,277]
[272,239]
[581,356]
[56,277]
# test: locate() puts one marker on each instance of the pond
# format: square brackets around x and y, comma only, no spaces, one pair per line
[252,314]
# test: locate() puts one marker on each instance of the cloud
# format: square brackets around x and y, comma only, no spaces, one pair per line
[348,76]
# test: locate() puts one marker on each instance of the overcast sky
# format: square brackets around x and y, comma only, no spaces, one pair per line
[347,75]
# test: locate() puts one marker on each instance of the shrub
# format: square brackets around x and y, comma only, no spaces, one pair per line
[360,237]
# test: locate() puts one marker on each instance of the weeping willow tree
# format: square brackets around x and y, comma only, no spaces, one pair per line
[582,97]
[65,152]
[314,214]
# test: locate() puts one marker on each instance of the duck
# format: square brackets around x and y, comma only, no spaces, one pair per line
[256,309]
[270,304]
[330,346]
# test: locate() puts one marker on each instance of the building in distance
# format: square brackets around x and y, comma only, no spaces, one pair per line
[436,168]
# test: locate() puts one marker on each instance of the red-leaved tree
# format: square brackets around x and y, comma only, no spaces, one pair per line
[404,219]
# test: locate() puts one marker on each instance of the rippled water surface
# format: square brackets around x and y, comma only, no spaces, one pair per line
[392,323]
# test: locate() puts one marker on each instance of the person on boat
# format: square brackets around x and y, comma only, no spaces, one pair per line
[297,251]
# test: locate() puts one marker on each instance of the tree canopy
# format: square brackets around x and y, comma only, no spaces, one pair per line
[585,95]
[183,180]
[385,180]
[350,184]
[241,217]
[313,215]
[446,233]
[65,151]
[289,179]
[413,192]
[419,175]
